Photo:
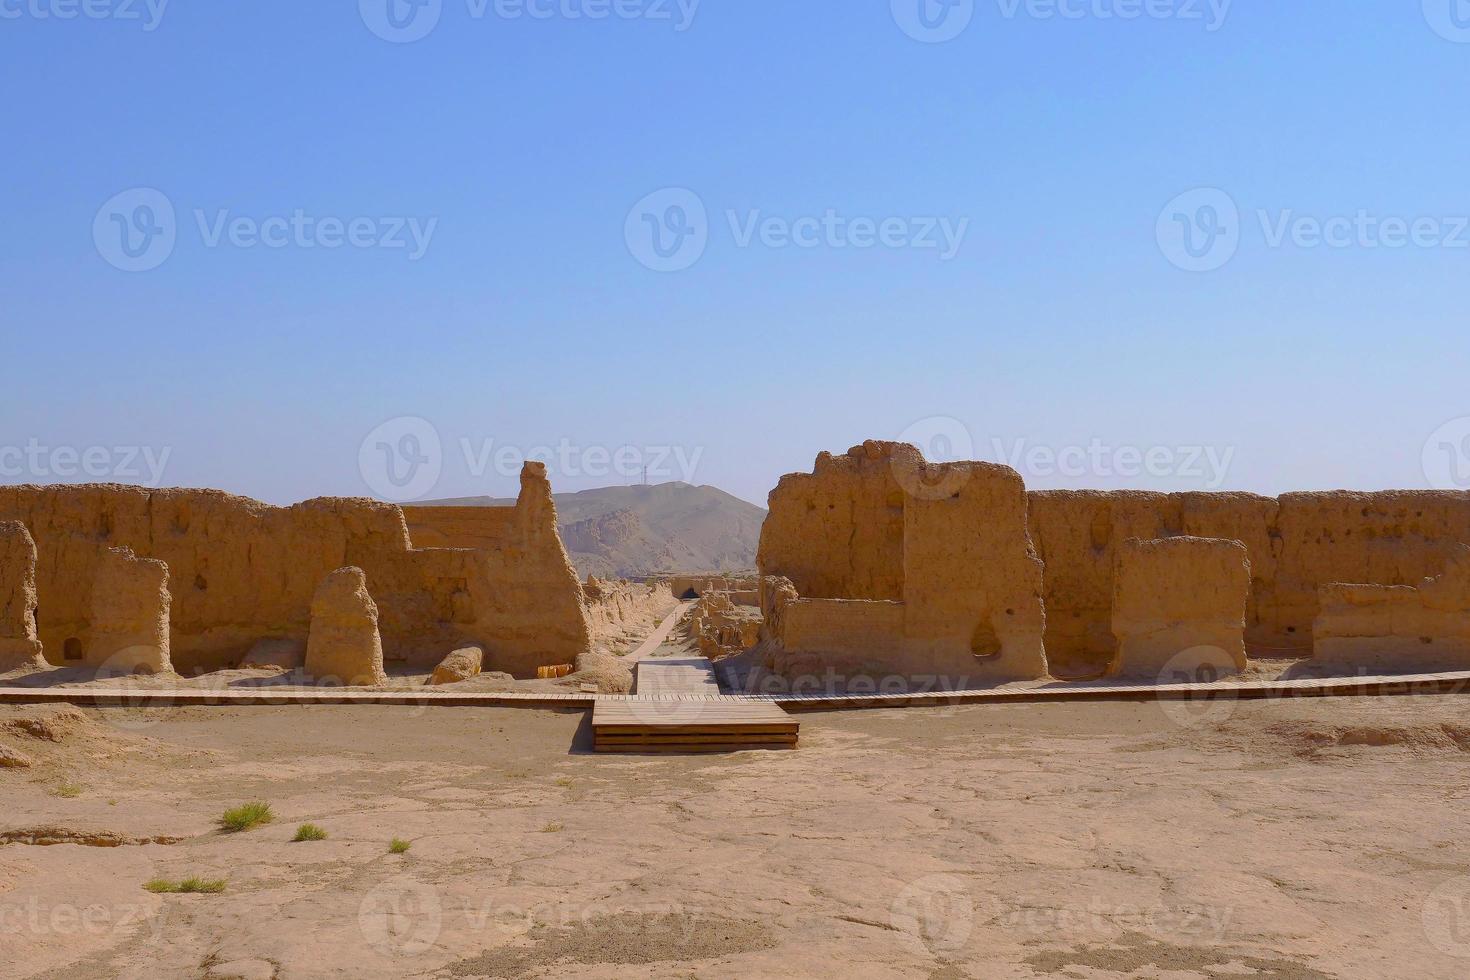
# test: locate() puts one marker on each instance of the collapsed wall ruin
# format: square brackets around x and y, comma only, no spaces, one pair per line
[903,567]
[877,562]
[1296,544]
[242,572]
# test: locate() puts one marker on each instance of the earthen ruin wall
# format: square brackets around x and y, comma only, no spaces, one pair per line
[1295,544]
[241,571]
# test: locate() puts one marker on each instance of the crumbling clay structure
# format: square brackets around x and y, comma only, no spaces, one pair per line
[344,646]
[743,589]
[130,615]
[20,646]
[243,572]
[1295,544]
[721,626]
[616,605]
[1375,628]
[879,563]
[905,568]
[1179,609]
[460,665]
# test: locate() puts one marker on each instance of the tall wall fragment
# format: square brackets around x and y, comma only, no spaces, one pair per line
[20,645]
[129,615]
[344,646]
[1179,607]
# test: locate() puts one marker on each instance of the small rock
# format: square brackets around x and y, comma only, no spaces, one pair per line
[11,759]
[460,665]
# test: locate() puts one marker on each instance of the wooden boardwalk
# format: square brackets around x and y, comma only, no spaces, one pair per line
[690,725]
[677,707]
[1453,682]
[686,677]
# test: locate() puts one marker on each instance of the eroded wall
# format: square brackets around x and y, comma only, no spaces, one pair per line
[1295,544]
[241,571]
[837,532]
[902,567]
[878,524]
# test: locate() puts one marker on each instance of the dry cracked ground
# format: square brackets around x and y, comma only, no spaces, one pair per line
[1306,839]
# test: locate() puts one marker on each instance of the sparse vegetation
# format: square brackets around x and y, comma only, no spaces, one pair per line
[67,791]
[309,831]
[246,816]
[565,782]
[553,828]
[398,846]
[189,886]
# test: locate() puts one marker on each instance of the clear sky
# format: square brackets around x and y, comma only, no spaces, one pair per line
[863,230]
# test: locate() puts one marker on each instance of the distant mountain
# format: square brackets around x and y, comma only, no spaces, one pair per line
[637,531]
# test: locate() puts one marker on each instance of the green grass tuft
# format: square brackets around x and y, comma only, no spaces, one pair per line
[67,791]
[189,886]
[245,816]
[398,846]
[309,831]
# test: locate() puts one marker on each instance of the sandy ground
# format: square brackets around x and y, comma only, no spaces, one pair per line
[1321,838]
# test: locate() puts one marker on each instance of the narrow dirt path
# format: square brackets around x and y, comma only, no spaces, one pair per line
[658,637]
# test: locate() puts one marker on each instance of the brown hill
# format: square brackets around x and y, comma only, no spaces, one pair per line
[647,530]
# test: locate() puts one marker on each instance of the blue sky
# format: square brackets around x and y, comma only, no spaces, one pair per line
[1062,327]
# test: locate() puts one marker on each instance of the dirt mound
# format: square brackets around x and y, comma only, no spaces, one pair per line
[50,723]
[608,672]
[1309,737]
[13,759]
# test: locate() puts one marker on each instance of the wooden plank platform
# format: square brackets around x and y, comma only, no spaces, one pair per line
[684,677]
[141,696]
[665,724]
